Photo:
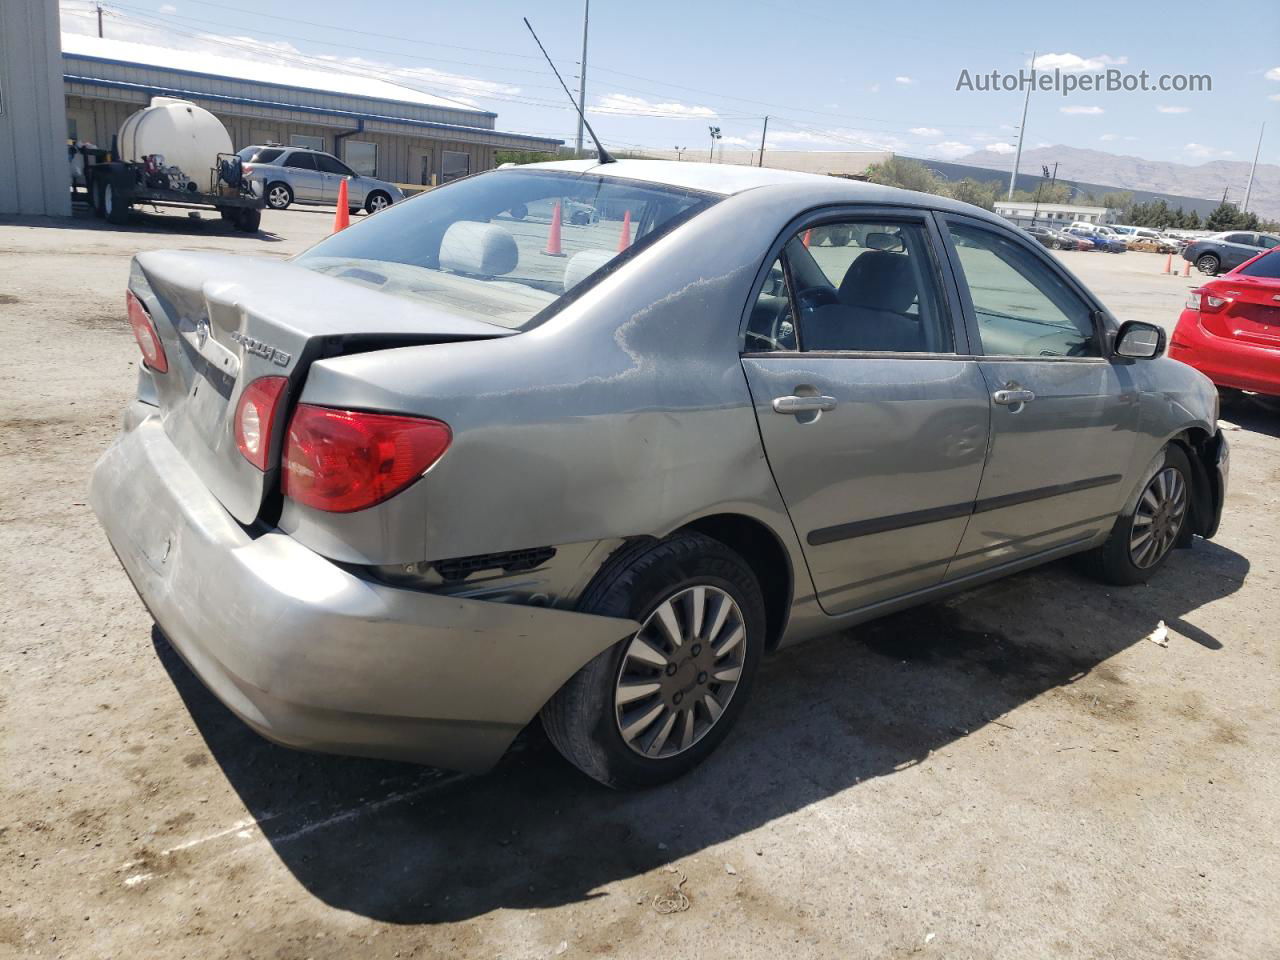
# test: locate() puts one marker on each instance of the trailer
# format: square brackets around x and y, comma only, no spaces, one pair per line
[114,186]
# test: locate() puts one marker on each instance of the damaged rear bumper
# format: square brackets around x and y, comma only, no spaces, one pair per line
[312,656]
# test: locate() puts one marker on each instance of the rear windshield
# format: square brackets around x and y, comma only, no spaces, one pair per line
[1266,266]
[504,247]
[259,154]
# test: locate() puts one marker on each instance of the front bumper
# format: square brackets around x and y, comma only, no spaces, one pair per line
[313,656]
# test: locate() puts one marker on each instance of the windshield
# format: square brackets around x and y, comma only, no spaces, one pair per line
[505,246]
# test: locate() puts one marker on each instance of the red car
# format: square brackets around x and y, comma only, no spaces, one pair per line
[1230,329]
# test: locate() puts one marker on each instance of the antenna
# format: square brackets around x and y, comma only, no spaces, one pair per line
[602,154]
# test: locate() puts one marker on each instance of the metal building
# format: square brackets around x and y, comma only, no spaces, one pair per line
[34,173]
[377,126]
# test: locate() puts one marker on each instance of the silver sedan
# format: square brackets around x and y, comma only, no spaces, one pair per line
[469,463]
[290,175]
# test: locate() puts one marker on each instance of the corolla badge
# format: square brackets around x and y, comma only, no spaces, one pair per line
[262,349]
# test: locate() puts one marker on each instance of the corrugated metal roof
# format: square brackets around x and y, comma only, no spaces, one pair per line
[253,71]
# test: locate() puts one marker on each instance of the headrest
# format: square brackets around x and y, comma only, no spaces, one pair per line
[582,265]
[480,249]
[879,280]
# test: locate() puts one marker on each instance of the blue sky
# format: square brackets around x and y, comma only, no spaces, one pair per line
[832,75]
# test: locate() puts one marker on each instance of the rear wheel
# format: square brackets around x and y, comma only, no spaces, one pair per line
[1145,532]
[114,207]
[656,704]
[248,219]
[1208,264]
[95,197]
[279,196]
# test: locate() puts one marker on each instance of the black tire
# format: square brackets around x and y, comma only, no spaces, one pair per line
[114,208]
[279,195]
[1208,264]
[1113,562]
[227,213]
[248,219]
[95,197]
[582,719]
[377,200]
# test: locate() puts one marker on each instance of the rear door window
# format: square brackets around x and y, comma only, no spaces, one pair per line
[301,161]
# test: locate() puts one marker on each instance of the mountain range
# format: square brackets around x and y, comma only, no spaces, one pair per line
[1207,180]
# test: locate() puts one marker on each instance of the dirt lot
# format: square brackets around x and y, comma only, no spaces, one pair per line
[1013,773]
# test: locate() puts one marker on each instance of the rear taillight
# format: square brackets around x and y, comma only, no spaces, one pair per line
[1202,300]
[144,332]
[246,168]
[256,414]
[344,460]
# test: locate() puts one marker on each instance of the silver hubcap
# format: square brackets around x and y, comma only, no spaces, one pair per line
[1159,517]
[379,203]
[680,672]
[1207,264]
[279,197]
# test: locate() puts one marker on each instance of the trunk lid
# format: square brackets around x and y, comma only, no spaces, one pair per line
[1253,314]
[226,320]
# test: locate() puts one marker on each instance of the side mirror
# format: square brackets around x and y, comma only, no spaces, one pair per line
[1137,340]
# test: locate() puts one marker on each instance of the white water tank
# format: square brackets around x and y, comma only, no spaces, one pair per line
[188,137]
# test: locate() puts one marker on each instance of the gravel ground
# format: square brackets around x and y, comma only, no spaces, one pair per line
[1015,772]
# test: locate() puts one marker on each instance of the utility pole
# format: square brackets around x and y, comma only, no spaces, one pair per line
[99,21]
[763,134]
[715,135]
[582,79]
[1252,170]
[1022,129]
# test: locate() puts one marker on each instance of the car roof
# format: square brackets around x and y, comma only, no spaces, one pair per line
[727,179]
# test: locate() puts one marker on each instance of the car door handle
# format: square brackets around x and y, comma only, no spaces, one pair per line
[803,404]
[1008,397]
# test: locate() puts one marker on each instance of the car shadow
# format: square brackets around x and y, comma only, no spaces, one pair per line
[1254,415]
[174,222]
[411,845]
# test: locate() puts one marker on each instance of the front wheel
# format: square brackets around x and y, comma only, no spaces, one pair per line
[1208,264]
[656,704]
[377,201]
[1144,534]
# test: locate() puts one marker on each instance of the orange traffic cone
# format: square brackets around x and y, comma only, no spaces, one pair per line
[808,235]
[624,240]
[342,217]
[553,235]
[1168,264]
[1186,269]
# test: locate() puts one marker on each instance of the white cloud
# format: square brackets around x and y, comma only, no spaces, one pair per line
[168,8]
[903,80]
[1163,109]
[1109,136]
[628,106]
[1074,63]
[837,138]
[1273,73]
[737,141]
[1274,96]
[949,149]
[926,131]
[874,88]
[1082,111]
[1000,147]
[1202,152]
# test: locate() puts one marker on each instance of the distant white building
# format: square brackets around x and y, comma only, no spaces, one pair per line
[1047,213]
